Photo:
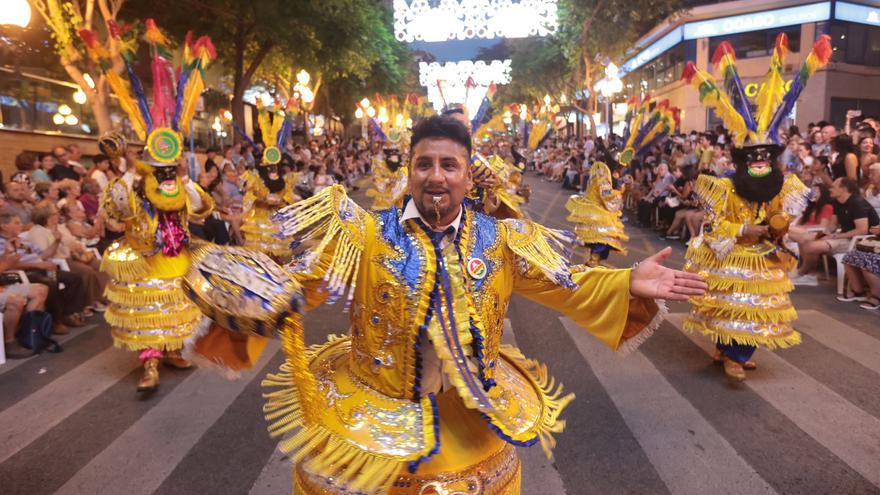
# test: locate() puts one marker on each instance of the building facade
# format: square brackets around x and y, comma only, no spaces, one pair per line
[850,82]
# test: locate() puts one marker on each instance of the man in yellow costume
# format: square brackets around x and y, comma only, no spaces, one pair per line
[740,250]
[149,311]
[596,215]
[389,181]
[421,397]
[266,191]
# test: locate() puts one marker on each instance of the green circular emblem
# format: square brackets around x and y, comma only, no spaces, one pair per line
[164,145]
[626,156]
[272,155]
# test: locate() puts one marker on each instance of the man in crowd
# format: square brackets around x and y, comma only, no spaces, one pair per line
[64,168]
[16,202]
[853,215]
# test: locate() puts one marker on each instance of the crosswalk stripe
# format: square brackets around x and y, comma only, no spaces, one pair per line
[840,337]
[846,430]
[539,474]
[28,419]
[143,456]
[663,421]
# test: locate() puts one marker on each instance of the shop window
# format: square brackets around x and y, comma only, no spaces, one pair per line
[852,43]
[758,43]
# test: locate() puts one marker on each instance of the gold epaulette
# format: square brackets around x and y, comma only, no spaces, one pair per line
[795,196]
[713,192]
[333,221]
[541,247]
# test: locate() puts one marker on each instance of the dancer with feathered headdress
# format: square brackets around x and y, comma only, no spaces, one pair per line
[150,313]
[739,250]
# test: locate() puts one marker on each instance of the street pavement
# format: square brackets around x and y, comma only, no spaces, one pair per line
[662,420]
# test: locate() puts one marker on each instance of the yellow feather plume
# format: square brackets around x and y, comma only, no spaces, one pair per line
[772,87]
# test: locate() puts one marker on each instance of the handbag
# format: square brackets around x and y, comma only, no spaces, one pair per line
[35,332]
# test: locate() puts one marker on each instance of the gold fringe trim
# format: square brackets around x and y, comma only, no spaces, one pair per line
[321,216]
[551,396]
[728,311]
[759,287]
[713,192]
[144,297]
[152,319]
[539,246]
[319,448]
[132,268]
[783,341]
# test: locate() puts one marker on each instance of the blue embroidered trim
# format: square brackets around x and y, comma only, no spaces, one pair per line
[488,383]
[409,266]
[417,381]
[413,465]
[501,435]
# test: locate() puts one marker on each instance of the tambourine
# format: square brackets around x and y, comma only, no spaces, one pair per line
[241,289]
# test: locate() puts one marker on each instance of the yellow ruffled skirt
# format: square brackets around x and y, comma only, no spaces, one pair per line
[149,309]
[596,225]
[747,302]
[472,460]
[259,230]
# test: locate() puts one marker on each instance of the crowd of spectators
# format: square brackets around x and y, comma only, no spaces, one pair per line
[841,166]
[53,231]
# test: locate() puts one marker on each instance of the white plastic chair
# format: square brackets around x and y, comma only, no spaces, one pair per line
[841,272]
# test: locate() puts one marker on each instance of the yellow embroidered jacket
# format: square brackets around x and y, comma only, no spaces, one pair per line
[367,417]
[259,205]
[596,214]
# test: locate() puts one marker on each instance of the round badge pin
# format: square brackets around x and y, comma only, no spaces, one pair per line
[477,268]
[272,155]
[164,145]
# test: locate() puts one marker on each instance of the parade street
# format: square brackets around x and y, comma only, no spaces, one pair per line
[662,420]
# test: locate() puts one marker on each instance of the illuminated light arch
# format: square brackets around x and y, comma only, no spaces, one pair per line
[416,20]
[453,76]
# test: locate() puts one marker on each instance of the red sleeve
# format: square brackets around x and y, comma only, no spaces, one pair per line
[826,213]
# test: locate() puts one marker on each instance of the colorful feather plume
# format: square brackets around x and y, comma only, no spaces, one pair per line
[163,73]
[101,56]
[196,57]
[712,97]
[772,86]
[652,121]
[818,58]
[724,59]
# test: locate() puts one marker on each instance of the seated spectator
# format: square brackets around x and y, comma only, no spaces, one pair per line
[684,190]
[55,241]
[659,191]
[28,163]
[816,216]
[46,164]
[64,168]
[90,198]
[867,156]
[846,162]
[100,171]
[863,275]
[852,215]
[872,191]
[228,198]
[70,193]
[80,228]
[16,298]
[64,304]
[212,228]
[48,193]
[17,202]
[321,179]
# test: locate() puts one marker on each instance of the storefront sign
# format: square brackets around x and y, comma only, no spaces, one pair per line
[751,89]
[654,50]
[861,14]
[758,21]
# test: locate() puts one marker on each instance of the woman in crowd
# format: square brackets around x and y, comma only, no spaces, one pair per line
[846,164]
[48,193]
[321,179]
[76,223]
[867,155]
[872,190]
[815,217]
[47,163]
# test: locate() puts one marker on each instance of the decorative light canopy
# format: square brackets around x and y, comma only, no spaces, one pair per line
[416,20]
[463,82]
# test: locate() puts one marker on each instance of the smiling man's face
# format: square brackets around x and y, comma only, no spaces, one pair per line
[440,169]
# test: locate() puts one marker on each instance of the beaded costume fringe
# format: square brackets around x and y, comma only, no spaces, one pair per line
[152,319]
[551,396]
[725,310]
[144,297]
[782,342]
[131,269]
[331,217]
[630,345]
[541,247]
[288,409]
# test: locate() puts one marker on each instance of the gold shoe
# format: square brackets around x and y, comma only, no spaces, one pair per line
[734,370]
[150,380]
[750,365]
[175,360]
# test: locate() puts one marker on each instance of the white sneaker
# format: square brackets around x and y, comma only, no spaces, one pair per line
[805,280]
